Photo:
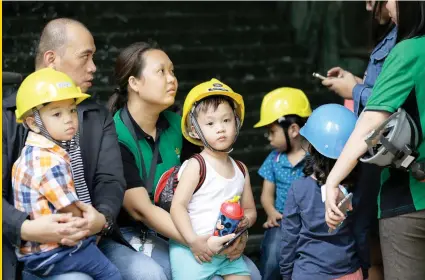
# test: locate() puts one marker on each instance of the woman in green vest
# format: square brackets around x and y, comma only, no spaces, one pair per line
[151,141]
[401,201]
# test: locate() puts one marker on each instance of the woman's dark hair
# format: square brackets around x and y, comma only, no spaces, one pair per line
[320,166]
[130,62]
[410,19]
[380,30]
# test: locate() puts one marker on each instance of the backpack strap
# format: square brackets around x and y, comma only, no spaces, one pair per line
[202,170]
[241,167]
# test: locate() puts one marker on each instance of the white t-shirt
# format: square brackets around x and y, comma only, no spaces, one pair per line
[204,207]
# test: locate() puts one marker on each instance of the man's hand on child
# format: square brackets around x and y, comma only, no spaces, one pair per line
[200,249]
[273,220]
[55,228]
[96,220]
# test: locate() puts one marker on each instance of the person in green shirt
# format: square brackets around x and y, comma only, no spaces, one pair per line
[147,88]
[401,84]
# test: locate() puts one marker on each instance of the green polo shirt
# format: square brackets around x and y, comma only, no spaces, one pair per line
[170,145]
[402,84]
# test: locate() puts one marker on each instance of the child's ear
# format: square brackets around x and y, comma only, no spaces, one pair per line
[193,133]
[294,130]
[30,122]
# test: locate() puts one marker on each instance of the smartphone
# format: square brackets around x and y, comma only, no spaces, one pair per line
[345,202]
[343,206]
[317,75]
[231,241]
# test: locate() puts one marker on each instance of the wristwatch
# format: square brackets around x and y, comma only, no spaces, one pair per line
[107,227]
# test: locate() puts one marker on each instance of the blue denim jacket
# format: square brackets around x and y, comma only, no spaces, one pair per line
[308,251]
[361,92]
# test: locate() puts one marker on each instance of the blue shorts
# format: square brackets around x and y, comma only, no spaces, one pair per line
[184,266]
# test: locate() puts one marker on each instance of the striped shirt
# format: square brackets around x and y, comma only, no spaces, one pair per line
[78,172]
[42,183]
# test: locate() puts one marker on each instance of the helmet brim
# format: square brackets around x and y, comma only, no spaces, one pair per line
[240,110]
[78,96]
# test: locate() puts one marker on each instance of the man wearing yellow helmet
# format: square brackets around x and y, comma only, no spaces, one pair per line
[212,116]
[46,102]
[67,46]
[284,111]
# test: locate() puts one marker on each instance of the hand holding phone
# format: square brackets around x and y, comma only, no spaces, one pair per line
[230,242]
[317,75]
[344,205]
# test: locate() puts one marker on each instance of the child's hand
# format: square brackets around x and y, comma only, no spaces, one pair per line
[244,222]
[200,249]
[215,243]
[272,220]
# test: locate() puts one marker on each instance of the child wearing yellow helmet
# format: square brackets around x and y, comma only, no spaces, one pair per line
[212,116]
[42,177]
[284,111]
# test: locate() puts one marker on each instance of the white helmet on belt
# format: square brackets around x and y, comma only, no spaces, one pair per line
[394,142]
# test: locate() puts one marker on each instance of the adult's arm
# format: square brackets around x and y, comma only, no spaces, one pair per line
[138,204]
[12,218]
[353,150]
[140,207]
[12,223]
[109,181]
[391,90]
[361,94]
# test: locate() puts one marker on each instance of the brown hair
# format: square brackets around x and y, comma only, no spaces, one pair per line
[130,62]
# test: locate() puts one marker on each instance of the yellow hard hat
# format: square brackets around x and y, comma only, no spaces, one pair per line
[44,86]
[281,102]
[213,87]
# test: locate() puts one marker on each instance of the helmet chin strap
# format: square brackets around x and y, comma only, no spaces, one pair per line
[281,122]
[288,140]
[205,142]
[66,145]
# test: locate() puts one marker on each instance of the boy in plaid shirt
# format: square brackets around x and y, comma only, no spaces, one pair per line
[42,177]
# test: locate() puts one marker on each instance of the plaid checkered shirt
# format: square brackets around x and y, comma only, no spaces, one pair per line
[42,184]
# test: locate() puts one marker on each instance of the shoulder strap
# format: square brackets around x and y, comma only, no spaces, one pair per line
[149,180]
[241,167]
[202,170]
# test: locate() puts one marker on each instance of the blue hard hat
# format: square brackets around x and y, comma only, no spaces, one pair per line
[328,129]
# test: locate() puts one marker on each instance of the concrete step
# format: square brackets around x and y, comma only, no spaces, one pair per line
[142,9]
[116,22]
[246,54]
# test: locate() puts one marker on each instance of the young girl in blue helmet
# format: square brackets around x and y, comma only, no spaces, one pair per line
[309,250]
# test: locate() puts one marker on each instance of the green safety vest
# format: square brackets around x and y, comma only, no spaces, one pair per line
[170,145]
